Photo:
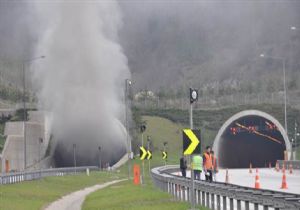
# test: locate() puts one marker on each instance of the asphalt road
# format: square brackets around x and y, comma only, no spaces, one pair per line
[269,179]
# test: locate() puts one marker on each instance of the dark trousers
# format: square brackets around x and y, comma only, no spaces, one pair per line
[183,172]
[197,174]
[208,175]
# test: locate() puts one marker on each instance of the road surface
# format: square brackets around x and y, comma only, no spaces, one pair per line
[269,178]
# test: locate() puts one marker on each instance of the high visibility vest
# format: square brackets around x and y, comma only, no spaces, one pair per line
[214,162]
[197,162]
[208,165]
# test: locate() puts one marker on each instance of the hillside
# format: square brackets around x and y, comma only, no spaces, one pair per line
[166,124]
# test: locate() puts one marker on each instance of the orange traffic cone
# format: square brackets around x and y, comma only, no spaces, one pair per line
[277,166]
[283,167]
[257,183]
[291,168]
[227,177]
[284,184]
[250,168]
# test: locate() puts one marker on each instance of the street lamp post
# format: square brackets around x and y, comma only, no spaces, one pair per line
[24,104]
[40,158]
[295,141]
[284,86]
[74,157]
[99,148]
[127,83]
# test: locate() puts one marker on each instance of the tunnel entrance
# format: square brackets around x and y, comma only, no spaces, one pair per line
[250,137]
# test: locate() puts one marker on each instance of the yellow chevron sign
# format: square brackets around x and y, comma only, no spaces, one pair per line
[164,155]
[191,142]
[149,155]
[143,153]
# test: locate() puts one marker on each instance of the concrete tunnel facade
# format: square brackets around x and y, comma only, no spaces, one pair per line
[251,136]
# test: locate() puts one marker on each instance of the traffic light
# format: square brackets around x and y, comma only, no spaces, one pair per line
[193,95]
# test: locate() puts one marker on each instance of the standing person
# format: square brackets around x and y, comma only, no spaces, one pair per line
[215,166]
[207,164]
[183,166]
[197,162]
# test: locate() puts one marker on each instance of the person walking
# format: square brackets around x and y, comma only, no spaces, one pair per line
[215,166]
[183,166]
[197,162]
[207,164]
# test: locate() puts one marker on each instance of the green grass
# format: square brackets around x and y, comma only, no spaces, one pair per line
[163,130]
[37,194]
[125,195]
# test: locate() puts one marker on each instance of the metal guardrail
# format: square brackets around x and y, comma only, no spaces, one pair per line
[216,195]
[10,178]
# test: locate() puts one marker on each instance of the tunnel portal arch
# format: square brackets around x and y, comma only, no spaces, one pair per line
[237,145]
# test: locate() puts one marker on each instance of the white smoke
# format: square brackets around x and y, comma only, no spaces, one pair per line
[81,80]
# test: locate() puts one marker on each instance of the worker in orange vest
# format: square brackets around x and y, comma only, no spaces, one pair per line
[215,166]
[208,164]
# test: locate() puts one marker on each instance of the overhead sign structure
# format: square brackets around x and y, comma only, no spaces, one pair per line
[164,155]
[191,141]
[143,153]
[149,155]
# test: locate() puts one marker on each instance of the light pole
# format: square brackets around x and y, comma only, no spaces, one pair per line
[24,62]
[295,141]
[99,148]
[74,157]
[127,83]
[284,86]
[40,158]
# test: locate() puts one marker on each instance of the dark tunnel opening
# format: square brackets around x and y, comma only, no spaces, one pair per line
[251,139]
[64,156]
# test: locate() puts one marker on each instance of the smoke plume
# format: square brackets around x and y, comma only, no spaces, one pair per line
[81,80]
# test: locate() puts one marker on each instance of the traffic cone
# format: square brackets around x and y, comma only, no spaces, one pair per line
[291,168]
[250,168]
[277,166]
[284,184]
[227,177]
[283,167]
[257,183]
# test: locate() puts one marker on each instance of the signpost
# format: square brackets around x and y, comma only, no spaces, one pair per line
[143,128]
[165,153]
[194,143]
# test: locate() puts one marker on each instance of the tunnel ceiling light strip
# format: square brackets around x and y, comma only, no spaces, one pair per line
[258,133]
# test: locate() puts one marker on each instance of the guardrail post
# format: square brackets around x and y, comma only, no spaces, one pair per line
[256,206]
[247,205]
[239,205]
[218,202]
[203,198]
[212,201]
[231,203]
[266,207]
[207,200]
[183,193]
[188,193]
[224,203]
[198,197]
